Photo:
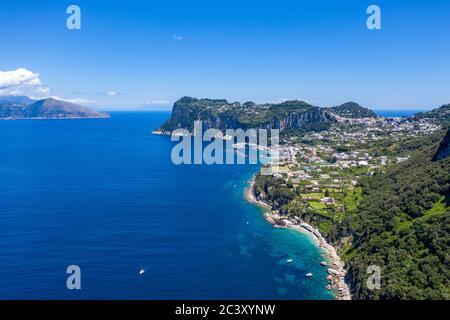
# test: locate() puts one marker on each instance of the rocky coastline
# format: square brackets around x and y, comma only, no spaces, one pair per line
[336,270]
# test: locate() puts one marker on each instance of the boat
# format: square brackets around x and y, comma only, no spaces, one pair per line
[323,263]
[309,275]
[290,260]
[141,271]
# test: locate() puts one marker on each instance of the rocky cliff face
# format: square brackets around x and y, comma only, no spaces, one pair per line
[444,148]
[300,120]
[220,114]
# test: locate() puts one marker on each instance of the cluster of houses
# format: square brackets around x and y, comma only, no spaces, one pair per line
[334,159]
[365,130]
[327,163]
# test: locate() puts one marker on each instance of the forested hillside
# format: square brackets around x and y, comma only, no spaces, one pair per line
[403,226]
[353,110]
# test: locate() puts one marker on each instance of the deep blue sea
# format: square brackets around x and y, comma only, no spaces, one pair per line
[397,113]
[104,195]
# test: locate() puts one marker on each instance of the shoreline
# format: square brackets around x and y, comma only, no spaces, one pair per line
[336,270]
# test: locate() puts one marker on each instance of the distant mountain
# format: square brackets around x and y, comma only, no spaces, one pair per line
[25,108]
[353,110]
[220,114]
[15,101]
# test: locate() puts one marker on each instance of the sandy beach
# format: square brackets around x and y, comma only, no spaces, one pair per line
[336,270]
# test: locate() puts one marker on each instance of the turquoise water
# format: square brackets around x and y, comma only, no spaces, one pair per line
[104,195]
[398,113]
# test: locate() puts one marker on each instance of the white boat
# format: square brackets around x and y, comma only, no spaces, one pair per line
[142,271]
[323,263]
[290,260]
[309,275]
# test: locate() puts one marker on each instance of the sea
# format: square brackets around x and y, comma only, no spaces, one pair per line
[393,113]
[104,195]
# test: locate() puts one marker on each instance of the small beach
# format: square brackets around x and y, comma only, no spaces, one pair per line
[336,270]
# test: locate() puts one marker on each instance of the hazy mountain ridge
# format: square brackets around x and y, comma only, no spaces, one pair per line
[17,108]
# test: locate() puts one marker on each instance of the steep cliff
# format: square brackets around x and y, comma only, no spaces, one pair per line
[444,148]
[222,115]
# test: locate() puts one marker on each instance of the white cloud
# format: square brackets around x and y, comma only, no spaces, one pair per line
[156,102]
[18,77]
[75,100]
[177,37]
[281,100]
[276,101]
[22,82]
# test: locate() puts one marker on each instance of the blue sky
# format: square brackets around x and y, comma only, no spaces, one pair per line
[130,54]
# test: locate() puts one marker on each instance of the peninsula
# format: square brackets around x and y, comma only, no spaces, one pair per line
[21,108]
[373,191]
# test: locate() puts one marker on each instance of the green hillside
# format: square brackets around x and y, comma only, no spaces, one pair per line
[403,226]
[353,110]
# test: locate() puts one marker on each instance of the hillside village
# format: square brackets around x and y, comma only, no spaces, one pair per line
[323,168]
[316,185]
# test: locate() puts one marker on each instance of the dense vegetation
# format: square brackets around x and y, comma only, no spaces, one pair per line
[398,219]
[274,191]
[403,226]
